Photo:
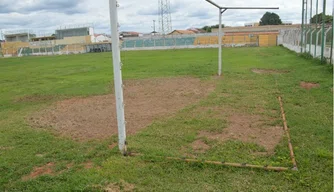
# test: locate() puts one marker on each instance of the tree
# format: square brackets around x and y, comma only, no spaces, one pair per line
[209,28]
[328,18]
[270,19]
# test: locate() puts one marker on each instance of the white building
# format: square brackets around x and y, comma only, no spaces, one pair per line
[98,38]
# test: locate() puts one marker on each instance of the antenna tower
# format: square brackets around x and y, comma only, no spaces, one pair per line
[165,18]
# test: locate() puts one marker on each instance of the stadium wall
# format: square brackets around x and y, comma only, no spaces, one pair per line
[84,31]
[10,49]
[291,39]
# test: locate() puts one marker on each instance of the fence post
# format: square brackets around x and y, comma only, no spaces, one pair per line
[316,43]
[325,37]
[53,51]
[305,45]
[311,41]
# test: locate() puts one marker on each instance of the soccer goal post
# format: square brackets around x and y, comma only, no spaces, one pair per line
[117,65]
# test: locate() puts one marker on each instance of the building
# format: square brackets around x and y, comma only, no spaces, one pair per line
[44,38]
[181,32]
[252,24]
[196,30]
[287,23]
[130,34]
[98,38]
[74,32]
[18,36]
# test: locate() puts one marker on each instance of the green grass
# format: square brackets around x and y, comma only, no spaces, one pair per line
[48,79]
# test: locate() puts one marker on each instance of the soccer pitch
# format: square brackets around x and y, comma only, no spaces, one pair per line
[58,127]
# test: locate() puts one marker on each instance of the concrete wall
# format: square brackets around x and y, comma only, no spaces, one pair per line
[15,38]
[62,33]
[73,40]
[11,48]
[267,40]
[297,49]
[265,28]
[291,39]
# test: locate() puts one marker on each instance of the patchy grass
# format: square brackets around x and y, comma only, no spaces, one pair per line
[28,84]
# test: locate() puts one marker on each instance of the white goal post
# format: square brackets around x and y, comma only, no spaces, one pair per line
[117,64]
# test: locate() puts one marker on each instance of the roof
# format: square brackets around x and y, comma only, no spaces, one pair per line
[130,32]
[196,30]
[183,32]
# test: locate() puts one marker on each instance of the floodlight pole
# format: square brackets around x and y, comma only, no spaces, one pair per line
[221,11]
[116,55]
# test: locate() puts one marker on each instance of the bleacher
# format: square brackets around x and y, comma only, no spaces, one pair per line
[29,51]
[165,42]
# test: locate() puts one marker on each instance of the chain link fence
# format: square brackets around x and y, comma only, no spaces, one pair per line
[188,41]
[312,38]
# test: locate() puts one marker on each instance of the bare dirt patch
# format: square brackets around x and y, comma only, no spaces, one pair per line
[39,171]
[248,128]
[269,71]
[88,165]
[199,146]
[3,148]
[145,100]
[118,187]
[308,85]
[111,146]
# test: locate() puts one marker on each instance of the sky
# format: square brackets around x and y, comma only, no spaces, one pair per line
[45,16]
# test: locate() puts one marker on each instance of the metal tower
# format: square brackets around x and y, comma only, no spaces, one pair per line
[165,17]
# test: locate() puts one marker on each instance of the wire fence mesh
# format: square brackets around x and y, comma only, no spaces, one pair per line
[312,38]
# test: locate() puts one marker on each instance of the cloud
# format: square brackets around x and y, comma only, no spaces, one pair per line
[134,15]
[5,7]
[30,6]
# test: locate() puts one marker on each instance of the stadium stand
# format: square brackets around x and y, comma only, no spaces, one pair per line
[158,42]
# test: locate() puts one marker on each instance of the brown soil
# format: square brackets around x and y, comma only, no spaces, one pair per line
[122,186]
[88,165]
[199,146]
[269,71]
[111,146]
[308,85]
[146,100]
[248,128]
[38,171]
[5,148]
